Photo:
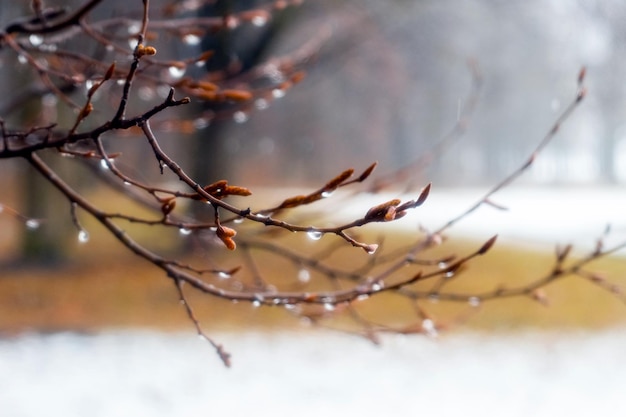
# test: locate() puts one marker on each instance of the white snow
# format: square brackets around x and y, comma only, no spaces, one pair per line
[312,374]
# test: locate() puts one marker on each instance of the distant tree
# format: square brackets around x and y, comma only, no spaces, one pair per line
[97,82]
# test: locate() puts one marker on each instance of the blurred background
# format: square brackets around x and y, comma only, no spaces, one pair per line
[389,82]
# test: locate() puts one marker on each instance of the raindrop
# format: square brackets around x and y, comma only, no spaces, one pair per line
[314,235]
[261,104]
[259,20]
[127,183]
[88,84]
[191,39]
[278,93]
[176,72]
[35,39]
[22,59]
[109,48]
[304,275]
[329,306]
[449,274]
[276,301]
[104,164]
[184,231]
[240,117]
[201,123]
[134,28]
[223,275]
[474,301]
[363,297]
[377,286]
[132,43]
[83,236]
[327,194]
[256,303]
[238,220]
[33,224]
[442,265]
[371,249]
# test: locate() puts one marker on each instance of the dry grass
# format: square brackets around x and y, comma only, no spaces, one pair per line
[125,292]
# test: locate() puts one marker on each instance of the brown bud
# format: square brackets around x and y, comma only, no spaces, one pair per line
[168,206]
[226,234]
[237,95]
[487,245]
[380,211]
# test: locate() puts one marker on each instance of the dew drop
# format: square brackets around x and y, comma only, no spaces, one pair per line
[240,117]
[22,59]
[474,301]
[261,104]
[256,303]
[259,21]
[35,39]
[442,265]
[104,164]
[176,72]
[33,224]
[327,194]
[134,28]
[191,39]
[329,306]
[126,183]
[88,84]
[377,286]
[83,236]
[371,249]
[238,220]
[363,297]
[201,123]
[223,275]
[314,235]
[449,274]
[184,231]
[304,276]
[278,93]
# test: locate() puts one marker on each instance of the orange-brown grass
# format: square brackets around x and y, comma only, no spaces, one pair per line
[118,290]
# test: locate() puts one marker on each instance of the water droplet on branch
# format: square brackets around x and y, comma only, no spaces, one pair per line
[184,231]
[240,117]
[474,301]
[191,39]
[33,224]
[176,72]
[35,39]
[304,276]
[83,236]
[314,235]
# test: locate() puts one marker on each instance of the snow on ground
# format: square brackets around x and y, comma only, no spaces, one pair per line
[313,374]
[534,216]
